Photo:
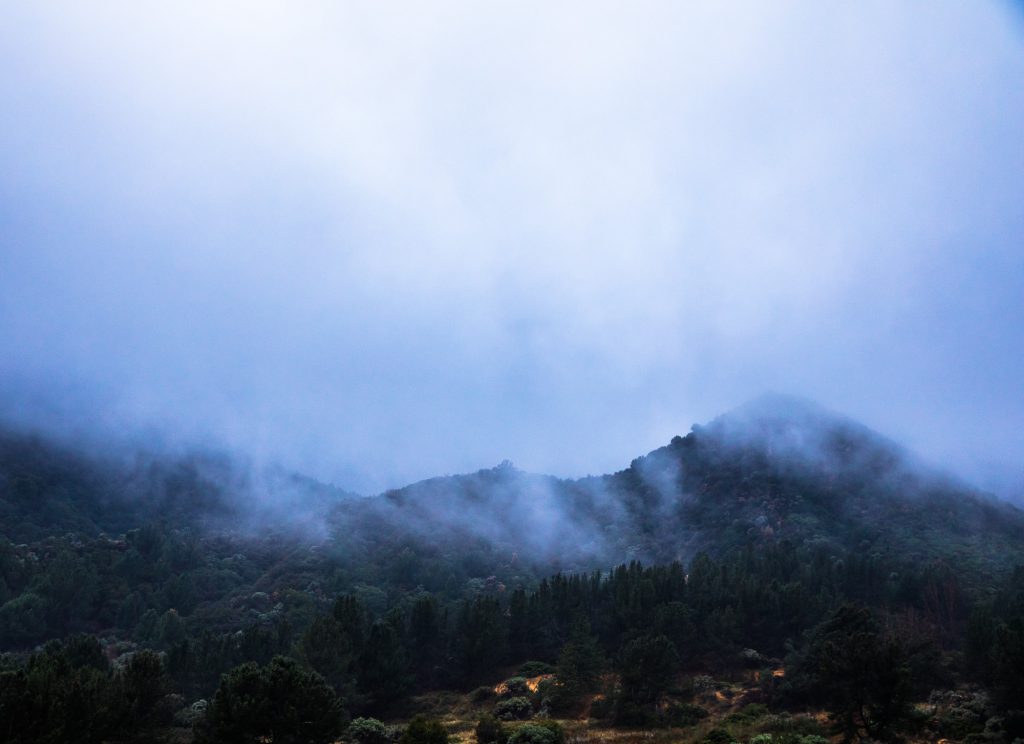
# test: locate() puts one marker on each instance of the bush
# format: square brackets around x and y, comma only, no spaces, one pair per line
[513,709]
[718,736]
[555,728]
[557,698]
[423,730]
[956,723]
[749,713]
[490,731]
[531,733]
[797,725]
[367,731]
[684,715]
[23,620]
[546,732]
[516,687]
[482,694]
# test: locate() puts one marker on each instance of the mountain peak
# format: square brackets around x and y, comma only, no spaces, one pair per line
[797,431]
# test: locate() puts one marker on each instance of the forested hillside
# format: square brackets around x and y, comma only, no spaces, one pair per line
[779,544]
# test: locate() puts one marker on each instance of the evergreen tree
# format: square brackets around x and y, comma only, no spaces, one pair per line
[858,673]
[328,649]
[383,669]
[580,663]
[646,666]
[481,636]
[351,616]
[279,702]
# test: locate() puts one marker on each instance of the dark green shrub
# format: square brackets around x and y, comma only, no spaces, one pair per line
[491,731]
[684,715]
[555,728]
[531,733]
[516,687]
[482,694]
[366,731]
[544,732]
[422,730]
[718,736]
[513,709]
[798,725]
[956,723]
[749,713]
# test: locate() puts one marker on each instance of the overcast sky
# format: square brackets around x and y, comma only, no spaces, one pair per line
[379,242]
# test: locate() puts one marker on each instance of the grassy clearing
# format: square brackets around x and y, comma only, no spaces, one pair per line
[728,702]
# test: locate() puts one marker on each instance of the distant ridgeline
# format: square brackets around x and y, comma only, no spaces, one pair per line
[754,529]
[775,471]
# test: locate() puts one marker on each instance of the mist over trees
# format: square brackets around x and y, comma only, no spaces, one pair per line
[778,537]
[279,283]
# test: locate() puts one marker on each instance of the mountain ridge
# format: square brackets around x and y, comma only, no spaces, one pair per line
[776,468]
[228,549]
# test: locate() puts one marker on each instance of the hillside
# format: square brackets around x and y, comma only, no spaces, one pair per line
[204,534]
[49,489]
[777,469]
[731,558]
[784,469]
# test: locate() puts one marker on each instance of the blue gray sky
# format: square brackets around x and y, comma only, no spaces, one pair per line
[383,241]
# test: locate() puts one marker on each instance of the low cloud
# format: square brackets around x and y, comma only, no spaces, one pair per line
[379,245]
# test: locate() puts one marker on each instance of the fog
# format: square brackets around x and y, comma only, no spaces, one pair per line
[377,244]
